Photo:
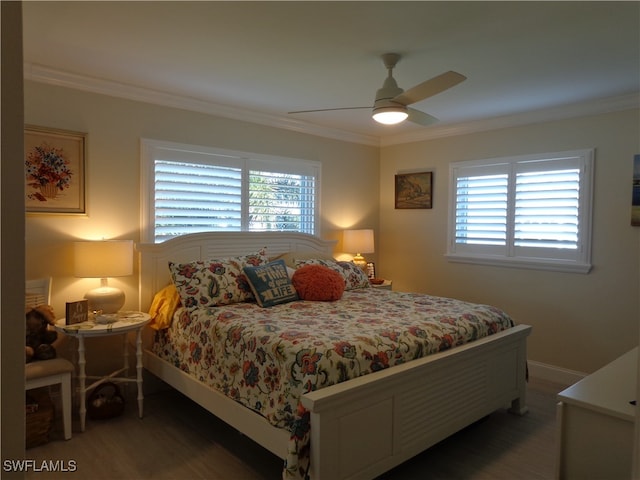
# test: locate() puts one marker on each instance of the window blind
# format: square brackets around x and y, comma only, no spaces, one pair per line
[532,210]
[481,209]
[194,197]
[191,189]
[547,209]
[283,202]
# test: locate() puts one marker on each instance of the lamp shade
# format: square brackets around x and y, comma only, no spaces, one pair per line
[358,241]
[104,258]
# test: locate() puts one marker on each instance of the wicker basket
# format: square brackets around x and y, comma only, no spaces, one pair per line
[105,402]
[39,418]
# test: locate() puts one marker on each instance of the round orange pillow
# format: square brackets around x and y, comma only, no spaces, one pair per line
[317,282]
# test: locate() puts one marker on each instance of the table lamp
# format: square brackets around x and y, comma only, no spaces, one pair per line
[359,241]
[103,259]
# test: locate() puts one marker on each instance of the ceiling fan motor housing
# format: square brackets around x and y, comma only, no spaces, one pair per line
[389,90]
[385,96]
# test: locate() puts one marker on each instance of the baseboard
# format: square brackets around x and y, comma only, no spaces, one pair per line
[553,374]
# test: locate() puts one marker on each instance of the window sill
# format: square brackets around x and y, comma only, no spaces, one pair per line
[525,263]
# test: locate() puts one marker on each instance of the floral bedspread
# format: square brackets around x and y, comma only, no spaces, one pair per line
[266,358]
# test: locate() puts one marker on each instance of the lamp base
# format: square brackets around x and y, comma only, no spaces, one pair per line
[360,261]
[105,299]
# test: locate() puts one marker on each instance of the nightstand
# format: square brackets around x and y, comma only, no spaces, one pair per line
[386,285]
[119,324]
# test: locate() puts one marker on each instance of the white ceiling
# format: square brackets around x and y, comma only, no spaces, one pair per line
[260,60]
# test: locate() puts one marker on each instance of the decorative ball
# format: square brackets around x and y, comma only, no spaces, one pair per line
[317,282]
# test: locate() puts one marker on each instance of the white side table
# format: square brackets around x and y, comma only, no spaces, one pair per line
[125,322]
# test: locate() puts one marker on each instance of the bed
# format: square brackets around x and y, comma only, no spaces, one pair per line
[355,426]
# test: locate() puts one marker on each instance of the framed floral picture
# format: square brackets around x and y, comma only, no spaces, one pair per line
[414,190]
[54,170]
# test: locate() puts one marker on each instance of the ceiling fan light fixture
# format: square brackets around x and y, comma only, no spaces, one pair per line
[390,115]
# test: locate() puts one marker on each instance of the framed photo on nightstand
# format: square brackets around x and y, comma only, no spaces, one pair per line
[77,312]
[371,270]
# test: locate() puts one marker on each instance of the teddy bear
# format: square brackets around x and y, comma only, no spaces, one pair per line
[39,338]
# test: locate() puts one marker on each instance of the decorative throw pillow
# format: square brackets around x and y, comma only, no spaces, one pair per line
[290,258]
[164,305]
[270,284]
[208,283]
[354,276]
[318,282]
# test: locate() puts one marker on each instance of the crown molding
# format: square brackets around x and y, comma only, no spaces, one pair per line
[51,76]
[595,107]
[42,74]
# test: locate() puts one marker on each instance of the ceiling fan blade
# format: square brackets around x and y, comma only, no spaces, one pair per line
[421,118]
[329,109]
[430,88]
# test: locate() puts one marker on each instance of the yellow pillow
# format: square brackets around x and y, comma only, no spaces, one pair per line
[164,305]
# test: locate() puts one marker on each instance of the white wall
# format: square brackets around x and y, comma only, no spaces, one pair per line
[581,322]
[349,195]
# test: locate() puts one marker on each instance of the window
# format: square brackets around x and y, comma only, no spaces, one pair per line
[530,211]
[188,189]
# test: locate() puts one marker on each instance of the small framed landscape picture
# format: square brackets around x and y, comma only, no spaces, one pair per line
[414,190]
[54,170]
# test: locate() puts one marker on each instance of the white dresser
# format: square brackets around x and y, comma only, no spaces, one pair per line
[596,423]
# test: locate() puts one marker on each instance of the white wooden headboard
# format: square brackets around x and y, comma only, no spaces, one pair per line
[154,258]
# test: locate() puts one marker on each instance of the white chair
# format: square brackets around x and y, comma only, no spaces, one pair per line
[45,373]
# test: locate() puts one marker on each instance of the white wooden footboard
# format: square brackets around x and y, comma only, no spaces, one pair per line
[366,426]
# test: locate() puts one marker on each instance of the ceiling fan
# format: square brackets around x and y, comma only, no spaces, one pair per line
[391,104]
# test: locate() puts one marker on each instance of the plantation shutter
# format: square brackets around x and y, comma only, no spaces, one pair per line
[282,195]
[481,209]
[191,197]
[532,210]
[282,202]
[550,211]
[194,189]
[547,209]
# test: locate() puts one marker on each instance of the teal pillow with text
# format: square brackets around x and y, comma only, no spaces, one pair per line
[271,284]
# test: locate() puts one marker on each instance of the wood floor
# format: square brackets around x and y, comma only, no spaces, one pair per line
[177,439]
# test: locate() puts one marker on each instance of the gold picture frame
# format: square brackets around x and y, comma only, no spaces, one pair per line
[414,190]
[55,163]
